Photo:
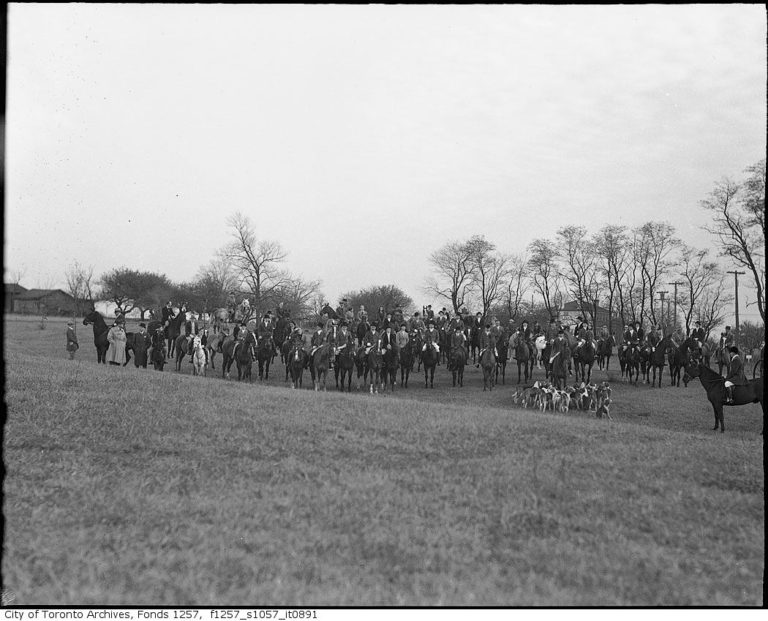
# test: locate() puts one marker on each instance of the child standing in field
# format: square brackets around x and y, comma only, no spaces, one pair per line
[72,345]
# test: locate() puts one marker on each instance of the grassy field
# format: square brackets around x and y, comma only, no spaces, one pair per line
[129,486]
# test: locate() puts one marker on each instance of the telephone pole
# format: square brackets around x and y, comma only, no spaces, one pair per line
[676,283]
[661,295]
[736,284]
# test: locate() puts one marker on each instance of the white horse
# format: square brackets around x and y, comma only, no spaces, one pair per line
[540,344]
[198,357]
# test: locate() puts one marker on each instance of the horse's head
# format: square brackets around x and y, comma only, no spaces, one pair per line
[692,369]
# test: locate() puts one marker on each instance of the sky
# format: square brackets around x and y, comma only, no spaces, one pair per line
[363,138]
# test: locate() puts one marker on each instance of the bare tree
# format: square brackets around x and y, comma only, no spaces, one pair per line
[489,270]
[79,279]
[452,264]
[712,303]
[739,225]
[699,275]
[299,296]
[545,273]
[612,250]
[516,284]
[655,243]
[581,273]
[255,263]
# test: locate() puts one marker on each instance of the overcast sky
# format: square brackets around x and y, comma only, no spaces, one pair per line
[362,138]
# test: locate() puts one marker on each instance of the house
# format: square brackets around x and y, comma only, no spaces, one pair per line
[571,310]
[39,301]
[12,291]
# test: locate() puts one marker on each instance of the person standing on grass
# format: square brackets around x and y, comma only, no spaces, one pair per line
[72,344]
[141,343]
[736,376]
[116,337]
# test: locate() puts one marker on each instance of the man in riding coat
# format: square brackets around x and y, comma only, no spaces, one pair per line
[604,334]
[265,330]
[141,343]
[551,332]
[736,376]
[488,341]
[579,325]
[397,315]
[585,336]
[318,337]
[344,340]
[571,340]
[402,336]
[167,314]
[431,337]
[362,329]
[416,324]
[497,331]
[388,340]
[653,338]
[698,335]
[372,337]
[388,322]
[561,350]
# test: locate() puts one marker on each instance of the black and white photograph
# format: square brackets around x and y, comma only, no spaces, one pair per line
[321,306]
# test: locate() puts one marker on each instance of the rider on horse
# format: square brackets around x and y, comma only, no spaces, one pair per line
[488,341]
[585,335]
[318,337]
[416,324]
[551,332]
[653,338]
[167,314]
[265,329]
[372,338]
[736,376]
[698,335]
[432,337]
[402,336]
[332,338]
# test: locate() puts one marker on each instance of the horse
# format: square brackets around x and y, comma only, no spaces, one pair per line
[656,359]
[345,364]
[539,344]
[213,345]
[721,359]
[264,354]
[458,360]
[182,346]
[522,356]
[390,362]
[319,364]
[361,364]
[645,367]
[100,331]
[545,355]
[157,355]
[228,353]
[199,363]
[218,317]
[473,338]
[244,357]
[604,351]
[418,343]
[429,358]
[676,356]
[632,363]
[501,360]
[488,363]
[296,362]
[375,364]
[173,331]
[558,370]
[281,332]
[584,358]
[714,385]
[406,362]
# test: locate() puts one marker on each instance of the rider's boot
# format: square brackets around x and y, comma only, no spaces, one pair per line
[729,394]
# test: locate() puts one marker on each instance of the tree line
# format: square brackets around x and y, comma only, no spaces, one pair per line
[634,273]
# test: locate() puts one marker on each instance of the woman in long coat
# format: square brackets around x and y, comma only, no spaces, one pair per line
[116,337]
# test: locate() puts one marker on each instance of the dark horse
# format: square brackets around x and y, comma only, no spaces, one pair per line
[265,352]
[676,357]
[345,364]
[319,364]
[488,364]
[604,351]
[714,384]
[429,358]
[629,360]
[281,332]
[406,362]
[656,359]
[244,356]
[522,356]
[501,361]
[390,363]
[100,331]
[375,366]
[157,357]
[296,361]
[173,330]
[585,360]
[458,360]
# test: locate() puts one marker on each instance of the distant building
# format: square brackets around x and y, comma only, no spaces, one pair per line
[571,310]
[39,301]
[12,291]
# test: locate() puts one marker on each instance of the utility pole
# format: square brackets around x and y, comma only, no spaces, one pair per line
[674,320]
[736,284]
[661,295]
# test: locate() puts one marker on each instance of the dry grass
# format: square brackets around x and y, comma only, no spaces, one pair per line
[129,486]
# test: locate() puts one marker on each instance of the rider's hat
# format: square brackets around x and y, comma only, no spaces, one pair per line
[727,327]
[487,326]
[320,324]
[142,325]
[375,324]
[734,349]
[561,331]
[343,323]
[431,323]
